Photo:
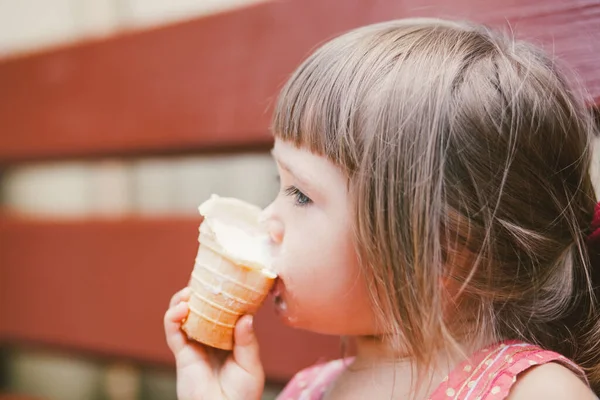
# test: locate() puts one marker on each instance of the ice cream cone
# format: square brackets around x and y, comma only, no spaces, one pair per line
[227,282]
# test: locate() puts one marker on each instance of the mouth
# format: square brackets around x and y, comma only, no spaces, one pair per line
[277,291]
[280,304]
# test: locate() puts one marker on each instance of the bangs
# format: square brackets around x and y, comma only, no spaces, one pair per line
[312,113]
[326,104]
[321,105]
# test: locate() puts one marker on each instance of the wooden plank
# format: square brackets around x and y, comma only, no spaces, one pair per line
[103,286]
[209,83]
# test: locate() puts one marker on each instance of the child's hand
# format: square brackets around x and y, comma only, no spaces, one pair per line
[204,373]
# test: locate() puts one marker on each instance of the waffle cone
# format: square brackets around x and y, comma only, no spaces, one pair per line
[223,290]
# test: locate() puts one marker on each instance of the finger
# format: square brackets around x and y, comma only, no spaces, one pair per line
[176,339]
[183,295]
[245,348]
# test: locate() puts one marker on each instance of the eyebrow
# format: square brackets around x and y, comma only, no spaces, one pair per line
[290,170]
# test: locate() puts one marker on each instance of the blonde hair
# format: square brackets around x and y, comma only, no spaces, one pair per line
[467,155]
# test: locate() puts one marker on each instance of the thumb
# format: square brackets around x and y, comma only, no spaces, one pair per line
[245,347]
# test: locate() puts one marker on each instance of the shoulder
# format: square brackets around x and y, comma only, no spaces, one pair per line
[551,381]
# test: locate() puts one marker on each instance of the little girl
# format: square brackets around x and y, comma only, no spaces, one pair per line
[435,206]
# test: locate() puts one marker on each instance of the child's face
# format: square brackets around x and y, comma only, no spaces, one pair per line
[320,287]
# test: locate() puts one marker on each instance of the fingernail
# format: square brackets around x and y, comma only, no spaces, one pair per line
[251,323]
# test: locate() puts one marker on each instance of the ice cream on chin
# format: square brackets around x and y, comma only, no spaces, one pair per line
[232,274]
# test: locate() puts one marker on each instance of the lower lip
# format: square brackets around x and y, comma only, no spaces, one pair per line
[281,309]
[277,293]
[280,304]
[277,288]
[279,301]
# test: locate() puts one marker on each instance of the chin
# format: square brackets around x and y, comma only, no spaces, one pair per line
[290,318]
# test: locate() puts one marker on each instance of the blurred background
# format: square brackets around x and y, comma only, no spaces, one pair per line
[117,119]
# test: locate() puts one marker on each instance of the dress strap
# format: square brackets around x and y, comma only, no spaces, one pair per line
[491,372]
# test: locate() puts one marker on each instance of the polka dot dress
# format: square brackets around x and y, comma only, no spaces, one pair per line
[487,375]
[490,373]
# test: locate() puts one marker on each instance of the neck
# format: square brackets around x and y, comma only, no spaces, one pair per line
[374,355]
[372,350]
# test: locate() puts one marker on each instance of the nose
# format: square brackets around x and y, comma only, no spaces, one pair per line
[275,229]
[272,224]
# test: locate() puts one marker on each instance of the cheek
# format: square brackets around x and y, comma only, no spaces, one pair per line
[324,289]
[313,251]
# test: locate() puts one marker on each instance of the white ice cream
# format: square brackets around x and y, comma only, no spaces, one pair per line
[240,244]
[233,225]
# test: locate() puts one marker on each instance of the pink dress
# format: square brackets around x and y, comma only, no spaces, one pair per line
[487,375]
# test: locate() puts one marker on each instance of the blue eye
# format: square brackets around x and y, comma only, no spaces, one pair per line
[301,199]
